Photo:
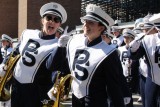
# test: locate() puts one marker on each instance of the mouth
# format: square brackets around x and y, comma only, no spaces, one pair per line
[50,27]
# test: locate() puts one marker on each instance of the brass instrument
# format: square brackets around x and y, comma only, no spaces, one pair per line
[9,65]
[59,90]
[129,67]
[129,77]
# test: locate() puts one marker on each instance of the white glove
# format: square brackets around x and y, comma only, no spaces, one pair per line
[134,45]
[126,100]
[50,94]
[62,41]
[2,70]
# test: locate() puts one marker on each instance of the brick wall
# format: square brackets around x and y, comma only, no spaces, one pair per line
[9,17]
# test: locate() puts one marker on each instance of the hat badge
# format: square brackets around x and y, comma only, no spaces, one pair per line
[91,8]
[55,6]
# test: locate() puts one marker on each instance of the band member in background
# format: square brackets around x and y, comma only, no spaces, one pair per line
[130,67]
[118,39]
[145,27]
[6,43]
[148,46]
[93,63]
[107,37]
[32,80]
[6,49]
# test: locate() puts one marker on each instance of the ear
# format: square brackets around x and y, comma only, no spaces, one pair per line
[102,28]
[42,21]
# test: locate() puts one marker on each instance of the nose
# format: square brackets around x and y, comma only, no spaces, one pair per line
[52,21]
[85,24]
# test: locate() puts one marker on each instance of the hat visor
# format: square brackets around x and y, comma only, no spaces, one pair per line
[127,35]
[146,27]
[137,31]
[52,13]
[88,18]
[110,36]
[114,30]
[5,40]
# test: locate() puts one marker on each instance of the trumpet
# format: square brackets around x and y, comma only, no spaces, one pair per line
[9,66]
[59,90]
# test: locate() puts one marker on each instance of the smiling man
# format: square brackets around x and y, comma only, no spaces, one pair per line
[91,63]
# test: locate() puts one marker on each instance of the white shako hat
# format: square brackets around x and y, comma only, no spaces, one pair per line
[115,29]
[55,9]
[155,19]
[146,23]
[128,33]
[7,38]
[137,23]
[95,13]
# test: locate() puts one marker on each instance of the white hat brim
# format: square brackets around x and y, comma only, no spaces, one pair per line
[88,18]
[51,12]
[128,35]
[6,40]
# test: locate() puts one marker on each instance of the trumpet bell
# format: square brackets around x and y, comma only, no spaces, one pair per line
[5,95]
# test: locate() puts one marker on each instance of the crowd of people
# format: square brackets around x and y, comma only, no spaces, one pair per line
[107,63]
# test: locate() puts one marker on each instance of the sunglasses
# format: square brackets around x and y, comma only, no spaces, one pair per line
[53,19]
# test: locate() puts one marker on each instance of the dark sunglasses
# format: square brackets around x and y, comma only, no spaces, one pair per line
[55,19]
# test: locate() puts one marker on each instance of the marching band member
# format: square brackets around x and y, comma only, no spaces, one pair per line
[5,51]
[130,67]
[149,47]
[92,62]
[145,27]
[118,39]
[6,46]
[107,37]
[32,80]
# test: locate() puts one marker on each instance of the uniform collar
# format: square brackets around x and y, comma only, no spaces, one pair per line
[118,36]
[47,37]
[94,42]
